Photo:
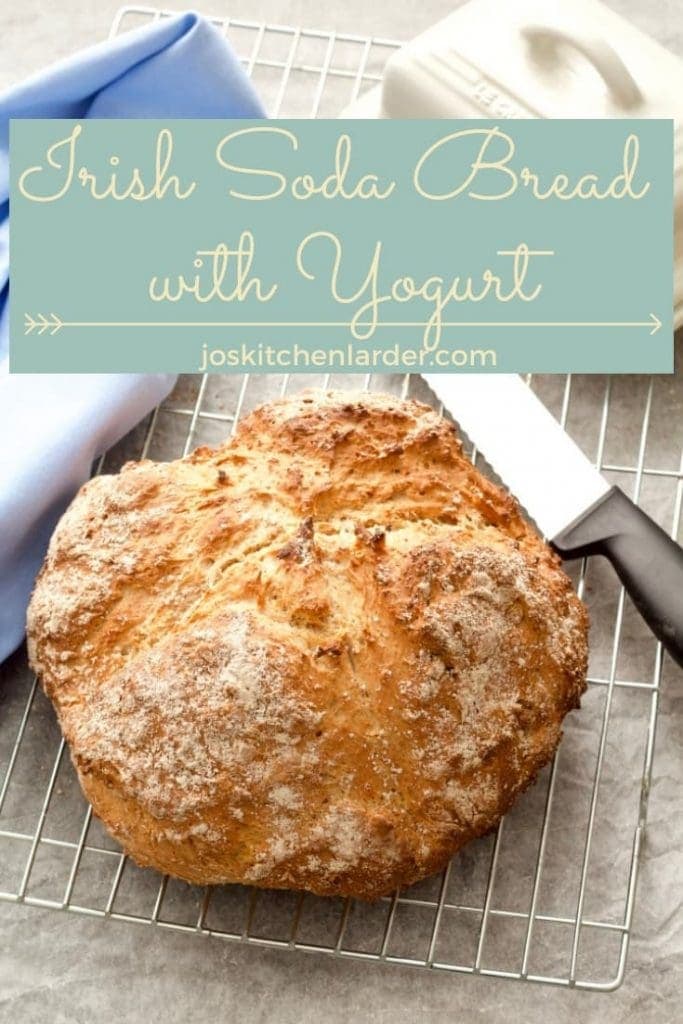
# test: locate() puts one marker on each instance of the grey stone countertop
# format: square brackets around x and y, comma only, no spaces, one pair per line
[63,967]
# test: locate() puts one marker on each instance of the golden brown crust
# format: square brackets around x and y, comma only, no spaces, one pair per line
[323,656]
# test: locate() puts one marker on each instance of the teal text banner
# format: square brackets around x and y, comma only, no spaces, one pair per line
[342,246]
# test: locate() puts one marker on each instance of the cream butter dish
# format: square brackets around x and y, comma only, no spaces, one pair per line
[537,58]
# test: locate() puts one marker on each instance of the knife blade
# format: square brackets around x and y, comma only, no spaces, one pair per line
[523,442]
[571,502]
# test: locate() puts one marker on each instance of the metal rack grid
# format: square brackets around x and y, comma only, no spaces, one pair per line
[549,897]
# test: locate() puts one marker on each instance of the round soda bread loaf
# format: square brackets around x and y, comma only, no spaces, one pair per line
[322,656]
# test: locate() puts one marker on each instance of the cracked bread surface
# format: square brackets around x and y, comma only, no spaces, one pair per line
[322,656]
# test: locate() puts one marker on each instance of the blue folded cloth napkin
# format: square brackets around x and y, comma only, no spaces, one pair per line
[52,427]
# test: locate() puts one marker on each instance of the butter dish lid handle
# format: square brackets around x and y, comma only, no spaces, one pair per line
[596,50]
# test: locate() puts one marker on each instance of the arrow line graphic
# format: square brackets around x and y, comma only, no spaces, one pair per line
[52,324]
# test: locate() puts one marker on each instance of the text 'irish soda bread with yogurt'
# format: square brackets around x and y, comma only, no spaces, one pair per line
[322,656]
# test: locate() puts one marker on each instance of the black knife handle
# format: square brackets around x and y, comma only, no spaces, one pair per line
[649,563]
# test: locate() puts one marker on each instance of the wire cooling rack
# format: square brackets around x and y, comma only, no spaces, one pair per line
[549,896]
